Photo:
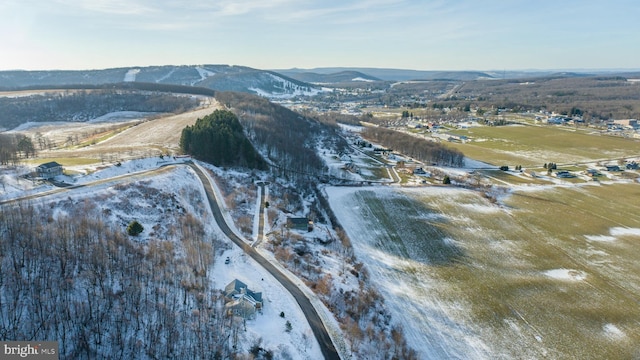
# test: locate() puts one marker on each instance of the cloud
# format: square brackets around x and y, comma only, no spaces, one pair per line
[340,11]
[234,8]
[163,14]
[114,7]
[167,8]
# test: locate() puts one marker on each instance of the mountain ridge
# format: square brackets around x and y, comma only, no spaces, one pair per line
[216,77]
[391,74]
[273,84]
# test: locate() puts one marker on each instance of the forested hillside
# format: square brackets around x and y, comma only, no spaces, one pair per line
[219,139]
[211,77]
[289,140]
[75,276]
[595,98]
[83,105]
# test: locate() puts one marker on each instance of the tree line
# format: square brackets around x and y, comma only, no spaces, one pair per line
[219,139]
[83,105]
[595,98]
[13,147]
[423,150]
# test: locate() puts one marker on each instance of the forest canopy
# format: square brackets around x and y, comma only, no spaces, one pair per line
[219,139]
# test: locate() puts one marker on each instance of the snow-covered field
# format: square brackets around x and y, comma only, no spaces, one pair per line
[432,326]
[472,279]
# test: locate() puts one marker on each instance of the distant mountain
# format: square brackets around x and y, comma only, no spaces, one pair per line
[264,83]
[216,77]
[271,84]
[393,74]
[333,78]
[407,75]
[535,74]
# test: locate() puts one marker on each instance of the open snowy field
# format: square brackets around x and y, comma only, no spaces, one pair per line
[547,273]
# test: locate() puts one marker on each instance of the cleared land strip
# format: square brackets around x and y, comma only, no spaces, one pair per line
[149,137]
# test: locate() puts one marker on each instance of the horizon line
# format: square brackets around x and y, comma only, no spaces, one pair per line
[579,69]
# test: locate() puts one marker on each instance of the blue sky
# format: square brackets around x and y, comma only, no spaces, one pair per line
[278,34]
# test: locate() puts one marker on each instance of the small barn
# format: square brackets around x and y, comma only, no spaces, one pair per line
[49,170]
[300,223]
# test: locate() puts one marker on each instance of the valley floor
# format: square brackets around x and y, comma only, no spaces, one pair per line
[546,273]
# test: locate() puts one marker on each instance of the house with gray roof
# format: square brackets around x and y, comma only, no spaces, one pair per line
[241,301]
[49,170]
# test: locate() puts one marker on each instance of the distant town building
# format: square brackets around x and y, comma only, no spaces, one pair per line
[627,123]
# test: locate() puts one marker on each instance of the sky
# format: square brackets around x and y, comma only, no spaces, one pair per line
[282,34]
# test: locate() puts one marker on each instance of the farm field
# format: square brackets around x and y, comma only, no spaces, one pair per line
[534,145]
[550,272]
[119,136]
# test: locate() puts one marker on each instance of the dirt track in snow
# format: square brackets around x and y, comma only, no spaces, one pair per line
[147,138]
[163,132]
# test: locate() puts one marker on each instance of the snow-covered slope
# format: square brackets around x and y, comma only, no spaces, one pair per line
[216,77]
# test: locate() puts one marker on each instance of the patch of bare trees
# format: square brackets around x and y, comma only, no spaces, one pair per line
[286,138]
[424,150]
[83,282]
[86,105]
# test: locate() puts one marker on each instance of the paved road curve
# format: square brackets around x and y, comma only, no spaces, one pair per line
[318,328]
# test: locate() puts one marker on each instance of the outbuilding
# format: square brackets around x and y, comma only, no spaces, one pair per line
[299,223]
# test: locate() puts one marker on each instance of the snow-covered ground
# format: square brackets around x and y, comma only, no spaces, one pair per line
[13,185]
[434,328]
[269,326]
[130,76]
[544,298]
[204,73]
[293,90]
[430,325]
[116,116]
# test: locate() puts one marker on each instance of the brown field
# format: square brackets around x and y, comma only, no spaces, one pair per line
[121,140]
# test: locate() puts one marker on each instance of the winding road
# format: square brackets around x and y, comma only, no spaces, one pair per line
[317,326]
